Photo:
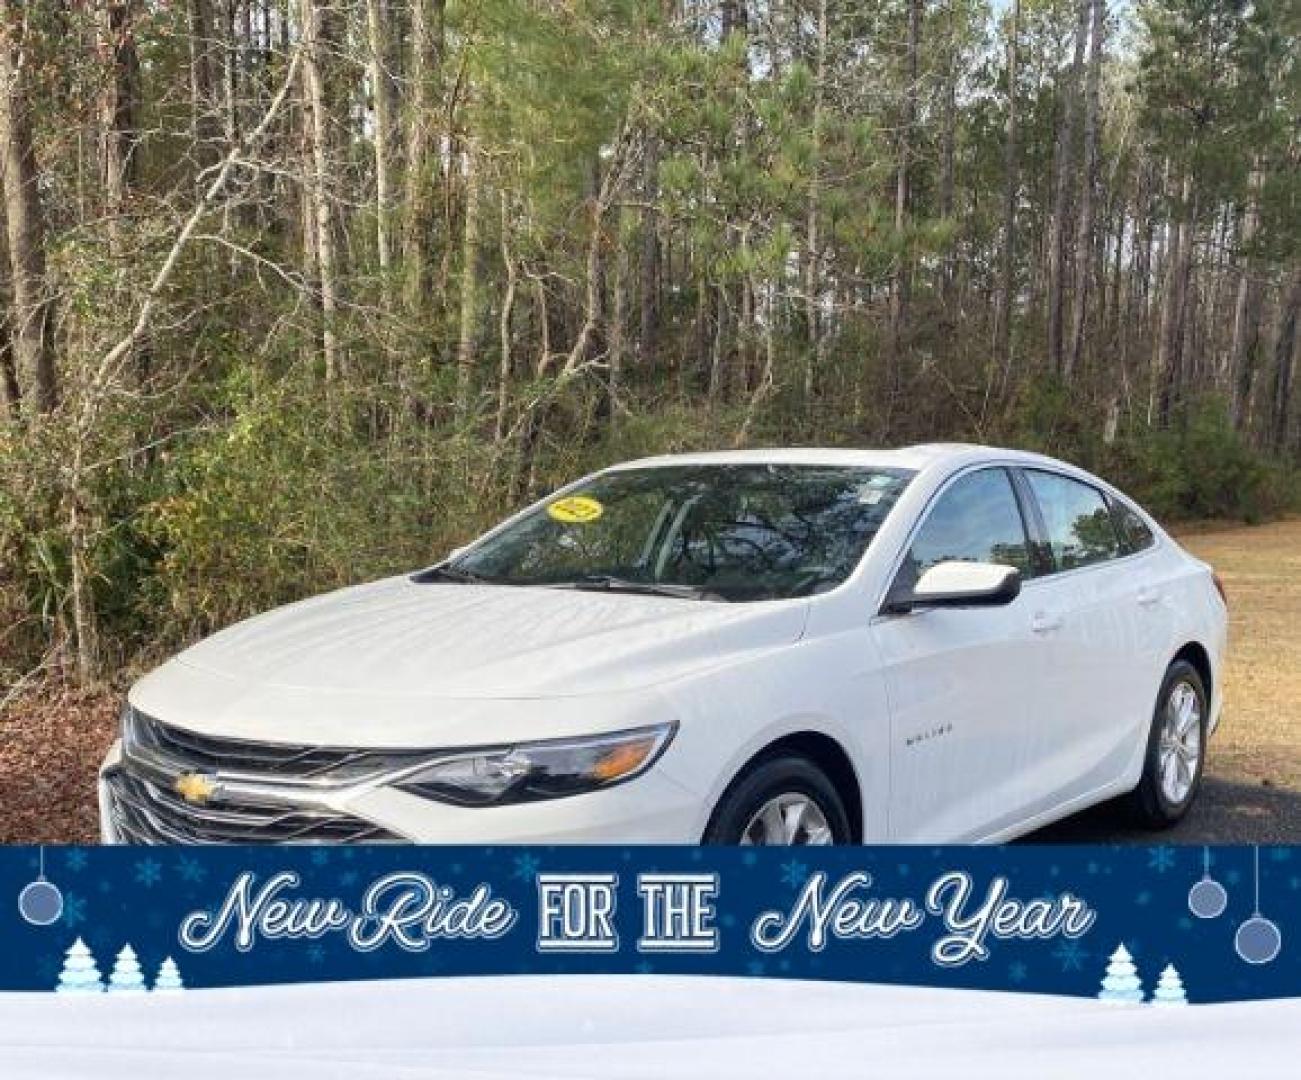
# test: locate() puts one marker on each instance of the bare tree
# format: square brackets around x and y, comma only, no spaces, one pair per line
[1007,283]
[318,137]
[1058,257]
[1085,243]
[31,321]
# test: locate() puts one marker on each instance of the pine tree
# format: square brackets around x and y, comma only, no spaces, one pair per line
[1169,988]
[1122,982]
[168,980]
[127,978]
[79,974]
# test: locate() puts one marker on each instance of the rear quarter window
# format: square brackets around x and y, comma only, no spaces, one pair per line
[1134,531]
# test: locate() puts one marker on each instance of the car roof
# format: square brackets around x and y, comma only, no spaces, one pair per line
[913,458]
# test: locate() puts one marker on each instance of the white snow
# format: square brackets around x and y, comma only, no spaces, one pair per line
[610,1027]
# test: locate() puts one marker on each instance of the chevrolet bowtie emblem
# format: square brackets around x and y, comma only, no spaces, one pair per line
[195,787]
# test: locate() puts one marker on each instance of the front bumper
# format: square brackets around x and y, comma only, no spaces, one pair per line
[652,809]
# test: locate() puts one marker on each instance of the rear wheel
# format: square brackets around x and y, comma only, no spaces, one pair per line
[1176,749]
[780,801]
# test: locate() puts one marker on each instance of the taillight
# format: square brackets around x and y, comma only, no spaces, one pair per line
[1219,587]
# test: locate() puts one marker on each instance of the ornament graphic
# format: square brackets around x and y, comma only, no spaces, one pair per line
[1207,899]
[1258,940]
[40,903]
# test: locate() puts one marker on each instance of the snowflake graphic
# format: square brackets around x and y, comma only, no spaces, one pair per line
[149,872]
[48,968]
[526,866]
[316,954]
[755,967]
[320,856]
[749,858]
[794,873]
[1143,898]
[190,869]
[74,910]
[76,860]
[1017,972]
[348,879]
[645,968]
[1160,859]
[1070,955]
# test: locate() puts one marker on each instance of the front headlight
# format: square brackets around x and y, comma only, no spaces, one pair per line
[543,770]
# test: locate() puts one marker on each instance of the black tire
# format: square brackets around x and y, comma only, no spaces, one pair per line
[1151,805]
[770,778]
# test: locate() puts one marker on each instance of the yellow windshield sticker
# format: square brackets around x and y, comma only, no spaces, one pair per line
[575,510]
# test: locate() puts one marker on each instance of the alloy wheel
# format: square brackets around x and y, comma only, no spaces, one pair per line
[1180,748]
[788,820]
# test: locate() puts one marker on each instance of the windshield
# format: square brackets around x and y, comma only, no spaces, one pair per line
[724,532]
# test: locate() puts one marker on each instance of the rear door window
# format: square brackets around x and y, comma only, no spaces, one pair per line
[1077,522]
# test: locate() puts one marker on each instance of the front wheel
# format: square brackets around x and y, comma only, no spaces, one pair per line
[1176,749]
[780,802]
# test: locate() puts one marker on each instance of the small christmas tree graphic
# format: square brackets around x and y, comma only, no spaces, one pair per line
[1122,982]
[1169,988]
[127,978]
[169,978]
[79,974]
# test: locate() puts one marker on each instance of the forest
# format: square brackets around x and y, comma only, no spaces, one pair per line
[298,293]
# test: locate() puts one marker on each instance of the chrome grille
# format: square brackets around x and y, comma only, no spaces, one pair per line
[147,813]
[323,765]
[262,793]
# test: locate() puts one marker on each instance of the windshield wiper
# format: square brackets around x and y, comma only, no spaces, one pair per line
[447,572]
[610,583]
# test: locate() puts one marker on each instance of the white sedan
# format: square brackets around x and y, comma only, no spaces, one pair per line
[935,644]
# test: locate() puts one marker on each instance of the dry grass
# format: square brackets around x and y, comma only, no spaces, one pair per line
[1260,737]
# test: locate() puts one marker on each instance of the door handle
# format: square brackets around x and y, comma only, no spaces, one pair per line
[1043,623]
[1148,597]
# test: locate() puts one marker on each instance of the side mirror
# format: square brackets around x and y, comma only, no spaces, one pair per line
[959,584]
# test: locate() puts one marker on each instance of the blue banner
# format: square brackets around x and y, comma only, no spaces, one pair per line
[1132,923]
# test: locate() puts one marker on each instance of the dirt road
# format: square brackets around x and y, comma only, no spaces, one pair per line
[1252,790]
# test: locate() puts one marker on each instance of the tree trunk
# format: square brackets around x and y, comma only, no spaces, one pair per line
[422,157]
[899,294]
[948,154]
[1285,350]
[649,270]
[1084,239]
[31,321]
[467,335]
[318,120]
[1007,285]
[381,98]
[813,254]
[1170,336]
[204,103]
[119,103]
[1244,348]
[1057,253]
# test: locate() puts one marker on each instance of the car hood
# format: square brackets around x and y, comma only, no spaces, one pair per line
[399,637]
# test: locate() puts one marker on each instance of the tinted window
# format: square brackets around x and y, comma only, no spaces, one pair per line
[1133,529]
[977,519]
[1079,526]
[736,532]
